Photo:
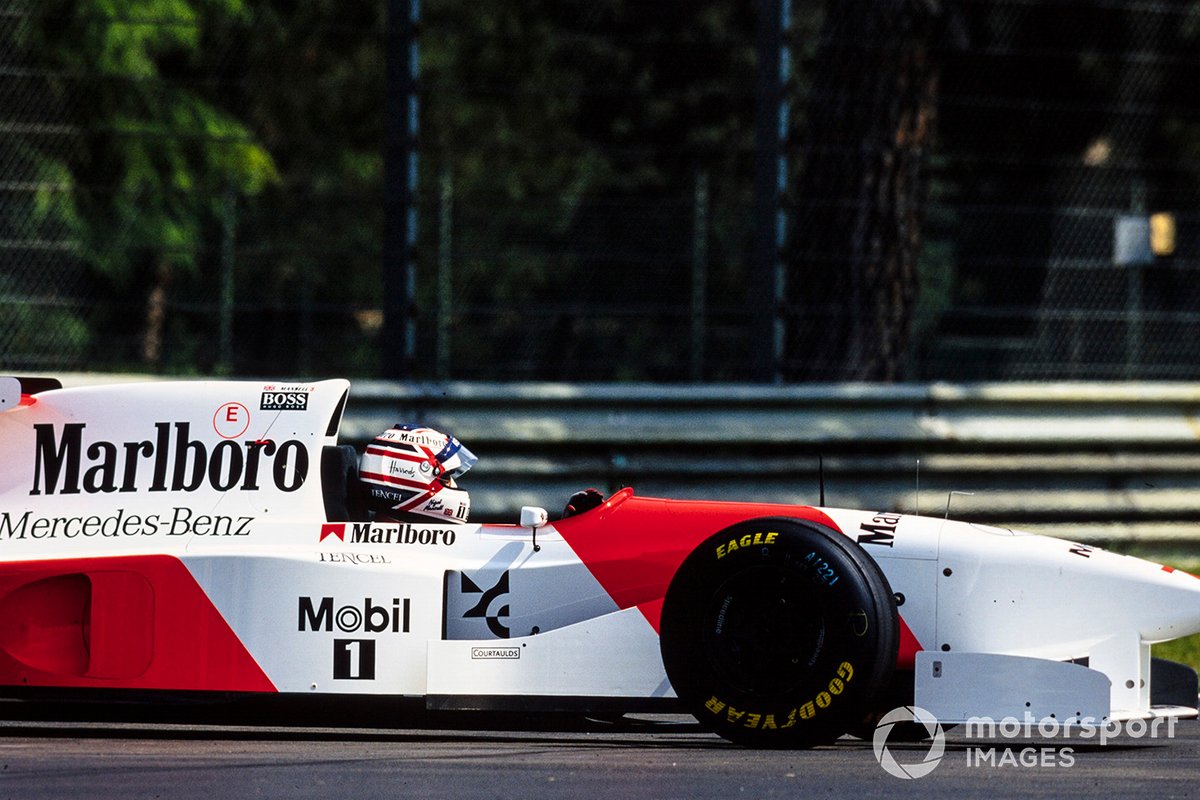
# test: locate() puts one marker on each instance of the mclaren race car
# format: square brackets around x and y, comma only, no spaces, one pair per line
[175,538]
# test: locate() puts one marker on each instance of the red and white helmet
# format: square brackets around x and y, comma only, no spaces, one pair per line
[408,473]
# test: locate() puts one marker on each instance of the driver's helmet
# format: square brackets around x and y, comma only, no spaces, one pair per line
[408,473]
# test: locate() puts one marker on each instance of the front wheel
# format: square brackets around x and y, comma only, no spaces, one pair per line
[779,632]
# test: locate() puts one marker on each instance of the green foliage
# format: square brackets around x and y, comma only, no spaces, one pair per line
[1184,651]
[573,134]
[180,138]
[156,150]
[24,325]
[213,134]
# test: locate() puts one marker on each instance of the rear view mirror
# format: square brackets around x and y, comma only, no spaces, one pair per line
[533,517]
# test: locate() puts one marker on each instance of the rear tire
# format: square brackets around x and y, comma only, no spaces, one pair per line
[779,632]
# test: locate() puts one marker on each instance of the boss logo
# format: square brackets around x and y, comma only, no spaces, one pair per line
[284,401]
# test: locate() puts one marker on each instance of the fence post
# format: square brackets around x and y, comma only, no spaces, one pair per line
[225,364]
[699,273]
[445,295]
[398,347]
[770,183]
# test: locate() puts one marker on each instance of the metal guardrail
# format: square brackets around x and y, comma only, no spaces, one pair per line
[1094,462]
[1105,463]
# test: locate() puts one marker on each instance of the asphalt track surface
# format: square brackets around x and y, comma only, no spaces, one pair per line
[660,757]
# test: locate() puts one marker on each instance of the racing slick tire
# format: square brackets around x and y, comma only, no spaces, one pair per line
[779,632]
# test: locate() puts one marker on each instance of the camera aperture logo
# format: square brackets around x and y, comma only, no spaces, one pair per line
[911,715]
[1027,731]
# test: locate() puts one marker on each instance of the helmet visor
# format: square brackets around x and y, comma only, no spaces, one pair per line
[456,459]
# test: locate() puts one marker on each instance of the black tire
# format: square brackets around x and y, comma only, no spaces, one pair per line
[779,632]
[898,694]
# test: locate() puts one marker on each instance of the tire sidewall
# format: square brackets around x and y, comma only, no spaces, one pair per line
[833,588]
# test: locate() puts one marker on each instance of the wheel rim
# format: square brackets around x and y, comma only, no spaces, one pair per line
[764,630]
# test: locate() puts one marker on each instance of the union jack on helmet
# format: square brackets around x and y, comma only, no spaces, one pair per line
[408,472]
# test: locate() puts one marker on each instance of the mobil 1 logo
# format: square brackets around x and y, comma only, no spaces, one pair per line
[354,659]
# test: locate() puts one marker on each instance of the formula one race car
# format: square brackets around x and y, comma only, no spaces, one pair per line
[170,538]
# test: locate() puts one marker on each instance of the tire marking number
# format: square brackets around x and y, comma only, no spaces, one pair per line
[824,572]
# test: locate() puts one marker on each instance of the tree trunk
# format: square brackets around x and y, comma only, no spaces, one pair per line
[156,316]
[861,191]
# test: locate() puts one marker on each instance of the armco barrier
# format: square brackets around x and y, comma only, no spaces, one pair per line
[1096,462]
[1093,462]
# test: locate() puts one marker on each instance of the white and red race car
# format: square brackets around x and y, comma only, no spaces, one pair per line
[183,537]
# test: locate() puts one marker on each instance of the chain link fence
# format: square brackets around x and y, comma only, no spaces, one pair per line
[970,190]
[1065,127]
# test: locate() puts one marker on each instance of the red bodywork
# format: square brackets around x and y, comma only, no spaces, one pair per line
[131,622]
[143,622]
[634,545]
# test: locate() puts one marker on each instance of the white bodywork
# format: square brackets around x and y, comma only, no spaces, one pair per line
[222,476]
[1007,593]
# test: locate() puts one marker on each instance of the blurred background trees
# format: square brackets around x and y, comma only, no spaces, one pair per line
[197,186]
